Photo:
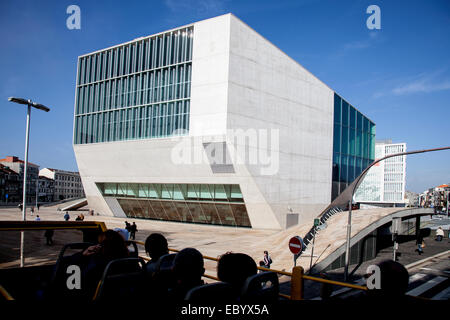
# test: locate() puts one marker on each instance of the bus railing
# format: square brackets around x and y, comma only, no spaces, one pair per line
[297,275]
[52,225]
[297,278]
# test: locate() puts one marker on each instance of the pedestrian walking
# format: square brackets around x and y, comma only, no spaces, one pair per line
[32,210]
[133,230]
[420,245]
[48,236]
[66,216]
[267,260]
[38,205]
[439,234]
[20,206]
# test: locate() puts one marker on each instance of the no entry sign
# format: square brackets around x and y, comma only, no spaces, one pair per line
[296,245]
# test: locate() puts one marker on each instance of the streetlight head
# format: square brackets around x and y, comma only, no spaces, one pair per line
[18,100]
[40,106]
[29,103]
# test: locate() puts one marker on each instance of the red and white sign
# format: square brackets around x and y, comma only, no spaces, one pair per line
[296,245]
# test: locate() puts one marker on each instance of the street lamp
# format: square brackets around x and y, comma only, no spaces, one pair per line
[39,106]
[348,193]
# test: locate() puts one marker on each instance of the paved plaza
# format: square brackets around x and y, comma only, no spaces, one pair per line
[210,240]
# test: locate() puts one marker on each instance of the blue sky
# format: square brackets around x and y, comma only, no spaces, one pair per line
[398,76]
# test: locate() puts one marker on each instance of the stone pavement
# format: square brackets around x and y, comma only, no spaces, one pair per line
[209,240]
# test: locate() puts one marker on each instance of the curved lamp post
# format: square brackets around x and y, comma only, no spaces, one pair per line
[39,106]
[347,196]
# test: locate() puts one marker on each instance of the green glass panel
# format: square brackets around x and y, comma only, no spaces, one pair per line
[345,141]
[337,138]
[205,192]
[122,189]
[352,141]
[143,191]
[178,193]
[219,192]
[352,117]
[345,113]
[110,188]
[236,192]
[152,192]
[193,191]
[359,122]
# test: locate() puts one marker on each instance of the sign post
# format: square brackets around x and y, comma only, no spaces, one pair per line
[296,247]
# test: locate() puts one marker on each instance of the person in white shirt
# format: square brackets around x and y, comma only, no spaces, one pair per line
[439,234]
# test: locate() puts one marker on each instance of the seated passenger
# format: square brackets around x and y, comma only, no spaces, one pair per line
[394,281]
[94,259]
[188,270]
[155,246]
[235,268]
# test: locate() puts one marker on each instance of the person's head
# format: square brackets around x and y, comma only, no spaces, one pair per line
[188,267]
[113,245]
[156,245]
[235,268]
[394,278]
[265,252]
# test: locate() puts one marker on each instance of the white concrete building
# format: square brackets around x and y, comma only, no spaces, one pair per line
[210,123]
[384,184]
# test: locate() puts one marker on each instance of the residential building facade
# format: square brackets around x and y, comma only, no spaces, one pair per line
[10,186]
[46,189]
[384,184]
[18,166]
[67,184]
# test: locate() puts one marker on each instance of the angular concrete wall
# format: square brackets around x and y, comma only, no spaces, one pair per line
[269,90]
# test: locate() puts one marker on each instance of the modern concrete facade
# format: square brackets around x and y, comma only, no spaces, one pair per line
[384,184]
[211,123]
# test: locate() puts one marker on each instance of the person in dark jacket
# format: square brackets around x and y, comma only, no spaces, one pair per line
[188,269]
[267,260]
[156,246]
[133,230]
[94,259]
[49,236]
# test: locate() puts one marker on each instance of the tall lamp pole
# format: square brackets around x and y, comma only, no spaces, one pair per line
[39,106]
[353,188]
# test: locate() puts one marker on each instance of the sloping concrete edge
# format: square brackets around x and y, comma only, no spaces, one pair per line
[402,213]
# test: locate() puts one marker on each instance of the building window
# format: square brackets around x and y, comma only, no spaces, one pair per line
[199,203]
[147,96]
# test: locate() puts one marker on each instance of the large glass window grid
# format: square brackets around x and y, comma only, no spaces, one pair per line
[353,144]
[135,91]
[197,203]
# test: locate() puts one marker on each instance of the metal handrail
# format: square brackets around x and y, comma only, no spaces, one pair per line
[290,274]
[54,225]
[5,294]
[297,275]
